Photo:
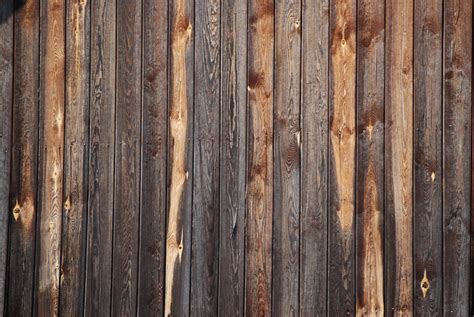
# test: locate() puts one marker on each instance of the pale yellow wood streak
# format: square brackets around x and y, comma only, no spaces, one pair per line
[181,33]
[343,51]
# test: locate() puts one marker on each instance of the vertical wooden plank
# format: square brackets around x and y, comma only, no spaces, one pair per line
[258,275]
[342,162]
[399,157]
[154,145]
[287,158]
[428,157]
[6,101]
[101,159]
[73,237]
[24,161]
[178,240]
[127,163]
[205,245]
[233,150]
[370,158]
[457,160]
[314,158]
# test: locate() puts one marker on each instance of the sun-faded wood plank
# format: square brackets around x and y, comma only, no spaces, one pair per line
[258,275]
[314,158]
[370,158]
[206,207]
[180,159]
[457,161]
[342,163]
[232,159]
[154,155]
[286,165]
[399,157]
[428,85]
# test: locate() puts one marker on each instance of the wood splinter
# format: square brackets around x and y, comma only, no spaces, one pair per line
[425,285]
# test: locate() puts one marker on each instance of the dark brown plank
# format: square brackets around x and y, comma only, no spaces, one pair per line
[101,159]
[428,157]
[342,163]
[286,187]
[154,145]
[399,158]
[127,163]
[457,162]
[73,237]
[24,161]
[370,158]
[180,159]
[232,158]
[205,247]
[314,158]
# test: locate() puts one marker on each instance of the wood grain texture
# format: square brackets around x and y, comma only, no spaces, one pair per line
[428,193]
[24,161]
[457,161]
[370,158]
[286,164]
[180,161]
[342,157]
[314,158]
[52,99]
[127,164]
[258,275]
[101,163]
[154,145]
[399,158]
[233,149]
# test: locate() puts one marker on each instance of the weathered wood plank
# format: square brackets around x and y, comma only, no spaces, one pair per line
[399,157]
[428,157]
[286,165]
[314,158]
[205,247]
[24,161]
[178,240]
[101,159]
[127,163]
[154,155]
[342,102]
[370,158]
[457,161]
[232,160]
[258,275]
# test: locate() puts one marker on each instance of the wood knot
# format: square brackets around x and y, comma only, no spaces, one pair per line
[425,285]
[16,210]
[67,203]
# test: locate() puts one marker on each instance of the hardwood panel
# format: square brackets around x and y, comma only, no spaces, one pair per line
[342,164]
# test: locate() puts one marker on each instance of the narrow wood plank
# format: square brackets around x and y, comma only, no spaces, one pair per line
[286,218]
[178,240]
[24,161]
[399,157]
[205,245]
[457,161]
[154,146]
[127,163]
[342,164]
[6,101]
[428,83]
[258,255]
[314,158]
[232,159]
[370,158]
[101,159]
[73,236]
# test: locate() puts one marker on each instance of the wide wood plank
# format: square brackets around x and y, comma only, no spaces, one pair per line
[457,161]
[342,163]
[370,158]
[427,230]
[258,255]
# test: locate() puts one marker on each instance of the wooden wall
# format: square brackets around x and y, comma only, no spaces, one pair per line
[231,157]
